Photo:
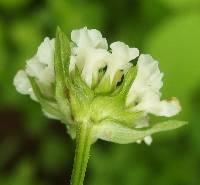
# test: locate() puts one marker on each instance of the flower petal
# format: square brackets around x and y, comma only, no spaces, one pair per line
[45,52]
[121,50]
[88,38]
[41,66]
[148,140]
[120,57]
[144,94]
[89,53]
[34,67]
[168,108]
[94,61]
[22,84]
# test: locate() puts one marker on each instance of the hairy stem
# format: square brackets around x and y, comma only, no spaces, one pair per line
[84,138]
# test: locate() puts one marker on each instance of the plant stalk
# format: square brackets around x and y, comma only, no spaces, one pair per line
[84,138]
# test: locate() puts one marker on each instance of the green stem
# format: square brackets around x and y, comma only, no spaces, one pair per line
[83,143]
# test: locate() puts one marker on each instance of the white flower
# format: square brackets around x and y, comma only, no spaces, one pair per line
[94,61]
[120,58]
[41,67]
[85,38]
[45,52]
[22,84]
[89,53]
[144,94]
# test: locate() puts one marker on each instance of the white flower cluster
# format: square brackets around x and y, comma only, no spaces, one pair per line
[41,67]
[89,53]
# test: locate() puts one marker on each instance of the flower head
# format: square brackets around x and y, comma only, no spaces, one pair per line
[84,82]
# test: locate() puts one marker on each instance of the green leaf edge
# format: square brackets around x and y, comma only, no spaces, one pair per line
[117,133]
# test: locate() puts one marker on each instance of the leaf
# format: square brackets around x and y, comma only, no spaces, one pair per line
[61,63]
[78,85]
[62,53]
[80,94]
[113,132]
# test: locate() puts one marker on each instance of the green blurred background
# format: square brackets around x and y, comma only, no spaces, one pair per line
[37,151]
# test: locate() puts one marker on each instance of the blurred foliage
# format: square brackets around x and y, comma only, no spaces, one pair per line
[37,151]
